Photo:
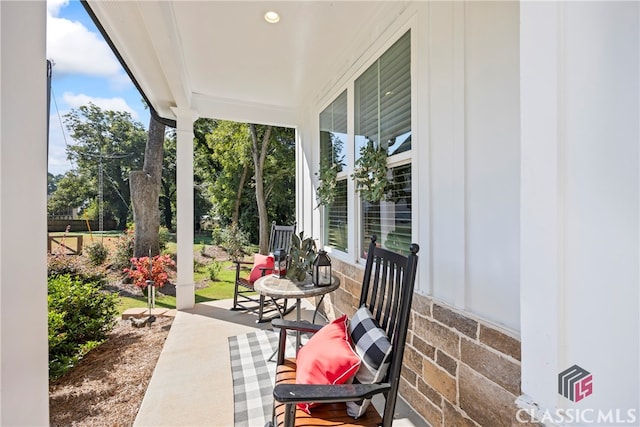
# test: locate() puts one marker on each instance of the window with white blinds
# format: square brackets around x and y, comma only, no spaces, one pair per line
[383,115]
[336,232]
[333,145]
[383,100]
[333,132]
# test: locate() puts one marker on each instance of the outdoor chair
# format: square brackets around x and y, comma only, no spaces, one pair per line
[244,296]
[376,333]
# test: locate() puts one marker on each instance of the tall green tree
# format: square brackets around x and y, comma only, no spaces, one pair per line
[226,159]
[52,182]
[111,143]
[168,182]
[72,190]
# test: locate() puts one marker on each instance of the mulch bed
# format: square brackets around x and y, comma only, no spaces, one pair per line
[107,386]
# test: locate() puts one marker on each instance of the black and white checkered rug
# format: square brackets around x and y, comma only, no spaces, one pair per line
[253,376]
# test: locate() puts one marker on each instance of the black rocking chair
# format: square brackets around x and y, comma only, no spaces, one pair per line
[244,297]
[387,291]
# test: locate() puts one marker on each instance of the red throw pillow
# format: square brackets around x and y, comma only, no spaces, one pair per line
[260,262]
[327,358]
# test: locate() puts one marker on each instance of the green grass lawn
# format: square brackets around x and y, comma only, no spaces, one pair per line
[221,288]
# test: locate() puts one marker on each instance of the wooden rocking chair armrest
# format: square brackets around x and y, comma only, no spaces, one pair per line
[301,393]
[288,325]
[295,326]
[239,263]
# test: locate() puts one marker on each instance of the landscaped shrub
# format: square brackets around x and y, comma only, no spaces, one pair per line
[164,237]
[156,269]
[216,236]
[80,317]
[123,250]
[97,253]
[234,242]
[214,269]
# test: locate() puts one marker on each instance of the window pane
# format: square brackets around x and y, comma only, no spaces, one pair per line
[390,219]
[366,107]
[336,233]
[333,132]
[383,100]
[395,96]
[333,140]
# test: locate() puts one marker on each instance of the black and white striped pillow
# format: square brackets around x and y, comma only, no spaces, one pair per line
[373,347]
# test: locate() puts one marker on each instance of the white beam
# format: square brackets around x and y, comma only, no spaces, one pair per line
[24,394]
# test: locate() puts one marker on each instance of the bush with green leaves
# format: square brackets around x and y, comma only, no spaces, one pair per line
[214,269]
[80,317]
[234,241]
[121,256]
[97,253]
[164,237]
[216,236]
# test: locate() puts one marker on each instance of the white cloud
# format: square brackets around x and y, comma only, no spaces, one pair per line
[75,49]
[113,104]
[54,6]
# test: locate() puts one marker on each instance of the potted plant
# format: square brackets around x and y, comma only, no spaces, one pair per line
[302,254]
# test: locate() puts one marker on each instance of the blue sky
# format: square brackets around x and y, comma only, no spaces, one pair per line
[85,71]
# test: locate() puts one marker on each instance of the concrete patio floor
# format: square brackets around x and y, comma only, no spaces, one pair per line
[192,384]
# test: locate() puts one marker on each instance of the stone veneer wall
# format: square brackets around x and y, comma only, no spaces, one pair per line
[457,370]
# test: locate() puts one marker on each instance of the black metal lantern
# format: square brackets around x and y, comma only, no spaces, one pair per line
[280,263]
[322,269]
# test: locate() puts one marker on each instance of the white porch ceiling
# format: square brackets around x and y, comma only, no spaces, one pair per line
[223,60]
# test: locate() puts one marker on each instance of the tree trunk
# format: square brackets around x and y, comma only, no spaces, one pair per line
[145,193]
[259,152]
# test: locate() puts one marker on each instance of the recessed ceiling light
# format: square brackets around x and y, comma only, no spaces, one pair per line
[271,17]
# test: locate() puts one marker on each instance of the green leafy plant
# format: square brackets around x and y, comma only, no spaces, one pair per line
[302,254]
[214,269]
[326,191]
[156,269]
[80,316]
[370,173]
[123,252]
[164,237]
[234,242]
[97,253]
[216,236]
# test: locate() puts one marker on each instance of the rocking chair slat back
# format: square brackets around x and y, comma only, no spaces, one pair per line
[387,291]
[280,237]
[382,284]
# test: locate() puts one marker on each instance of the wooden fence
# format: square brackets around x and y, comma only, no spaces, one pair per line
[54,225]
[64,245]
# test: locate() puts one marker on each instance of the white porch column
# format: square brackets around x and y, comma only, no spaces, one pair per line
[24,394]
[185,289]
[580,211]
